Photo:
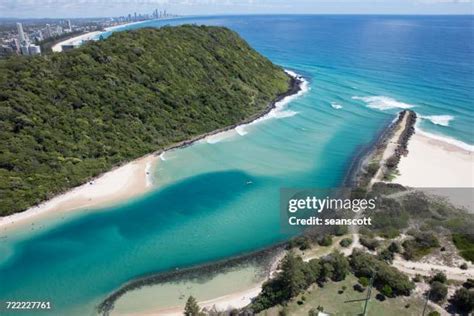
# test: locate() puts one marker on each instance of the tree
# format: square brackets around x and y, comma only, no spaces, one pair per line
[463,300]
[192,308]
[292,274]
[115,100]
[438,291]
[340,265]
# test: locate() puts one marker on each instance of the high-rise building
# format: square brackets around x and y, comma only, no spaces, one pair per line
[49,32]
[34,50]
[24,50]
[69,26]
[16,43]
[21,34]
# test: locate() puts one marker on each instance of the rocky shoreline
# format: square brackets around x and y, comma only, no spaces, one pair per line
[372,163]
[294,87]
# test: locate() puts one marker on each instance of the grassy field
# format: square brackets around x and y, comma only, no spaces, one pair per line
[335,303]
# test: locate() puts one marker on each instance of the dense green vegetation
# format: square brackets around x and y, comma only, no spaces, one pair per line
[465,244]
[296,276]
[67,117]
[367,265]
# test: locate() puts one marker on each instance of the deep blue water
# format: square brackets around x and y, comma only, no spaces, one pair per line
[361,71]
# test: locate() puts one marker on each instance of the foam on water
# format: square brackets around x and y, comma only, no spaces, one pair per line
[162,156]
[216,138]
[443,138]
[383,103]
[336,106]
[442,120]
[280,110]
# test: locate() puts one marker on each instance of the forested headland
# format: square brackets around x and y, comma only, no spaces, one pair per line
[68,117]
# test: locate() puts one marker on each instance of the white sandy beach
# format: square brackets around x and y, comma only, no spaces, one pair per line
[432,162]
[75,41]
[119,184]
[223,303]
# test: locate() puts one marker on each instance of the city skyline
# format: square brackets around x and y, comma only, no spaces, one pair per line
[104,8]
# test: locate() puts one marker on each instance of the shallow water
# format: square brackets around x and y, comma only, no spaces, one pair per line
[219,197]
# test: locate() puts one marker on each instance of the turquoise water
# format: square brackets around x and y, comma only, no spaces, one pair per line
[361,70]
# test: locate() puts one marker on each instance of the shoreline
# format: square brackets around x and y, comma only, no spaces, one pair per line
[268,257]
[56,48]
[425,164]
[120,183]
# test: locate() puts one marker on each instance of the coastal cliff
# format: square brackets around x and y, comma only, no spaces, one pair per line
[69,117]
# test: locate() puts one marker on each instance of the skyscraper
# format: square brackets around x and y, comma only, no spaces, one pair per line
[48,32]
[21,34]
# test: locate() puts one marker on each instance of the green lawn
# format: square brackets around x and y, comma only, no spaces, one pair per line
[337,304]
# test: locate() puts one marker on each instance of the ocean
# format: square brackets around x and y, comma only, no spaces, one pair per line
[220,197]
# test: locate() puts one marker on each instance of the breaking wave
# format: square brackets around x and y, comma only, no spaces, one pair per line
[383,103]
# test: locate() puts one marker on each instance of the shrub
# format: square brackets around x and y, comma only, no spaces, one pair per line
[301,242]
[469,284]
[369,243]
[341,230]
[421,245]
[438,291]
[363,281]
[439,277]
[386,255]
[346,242]
[434,313]
[387,290]
[395,247]
[325,241]
[463,300]
[417,278]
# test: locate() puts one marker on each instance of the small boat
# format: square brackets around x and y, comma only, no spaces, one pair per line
[249,182]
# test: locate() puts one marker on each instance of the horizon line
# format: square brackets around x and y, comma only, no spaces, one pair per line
[248,14]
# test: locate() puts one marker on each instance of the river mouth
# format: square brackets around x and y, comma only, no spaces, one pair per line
[206,210]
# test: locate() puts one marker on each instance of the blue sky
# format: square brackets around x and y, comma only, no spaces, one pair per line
[94,8]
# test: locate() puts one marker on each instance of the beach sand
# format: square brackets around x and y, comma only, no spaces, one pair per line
[122,183]
[434,163]
[57,48]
